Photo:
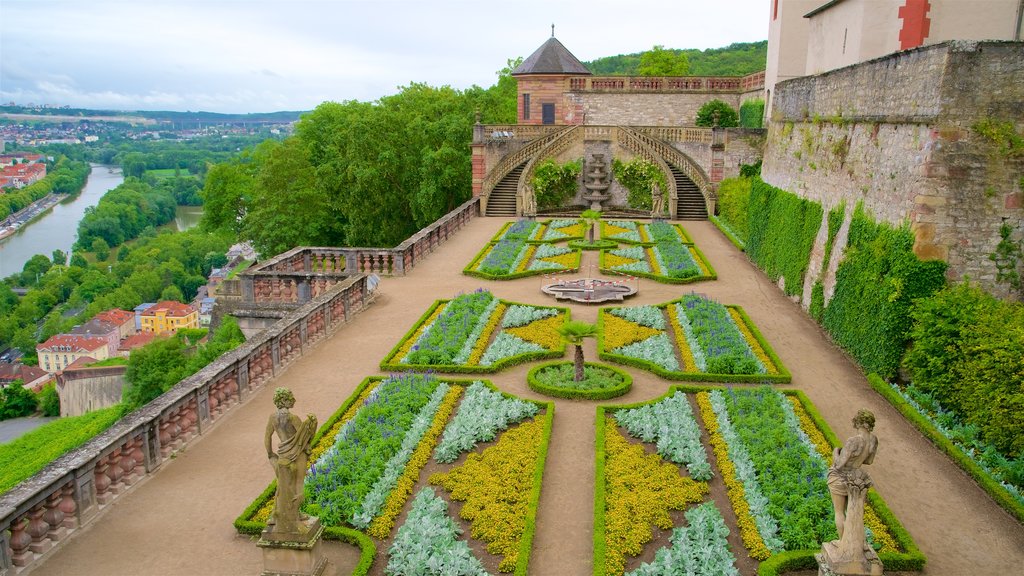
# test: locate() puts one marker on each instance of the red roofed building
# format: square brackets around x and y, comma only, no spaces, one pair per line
[169,316]
[123,319]
[62,349]
[134,341]
[34,378]
[21,175]
[100,329]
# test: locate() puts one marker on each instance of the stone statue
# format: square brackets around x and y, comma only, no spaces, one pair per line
[529,202]
[295,438]
[657,201]
[848,484]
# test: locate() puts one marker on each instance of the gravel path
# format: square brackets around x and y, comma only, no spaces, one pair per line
[179,521]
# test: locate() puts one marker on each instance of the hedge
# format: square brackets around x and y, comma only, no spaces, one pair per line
[734,206]
[782,228]
[470,269]
[752,113]
[878,279]
[574,394]
[937,438]
[728,233]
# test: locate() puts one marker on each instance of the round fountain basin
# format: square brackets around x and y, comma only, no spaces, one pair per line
[589,290]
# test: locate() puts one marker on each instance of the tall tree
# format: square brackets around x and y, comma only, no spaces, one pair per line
[661,62]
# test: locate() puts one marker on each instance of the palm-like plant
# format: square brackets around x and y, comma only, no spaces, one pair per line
[575,332]
[590,219]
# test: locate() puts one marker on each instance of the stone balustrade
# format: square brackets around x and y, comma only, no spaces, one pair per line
[635,84]
[72,491]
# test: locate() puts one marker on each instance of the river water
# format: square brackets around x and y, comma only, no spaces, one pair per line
[58,228]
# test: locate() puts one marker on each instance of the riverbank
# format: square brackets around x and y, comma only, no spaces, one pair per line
[26,215]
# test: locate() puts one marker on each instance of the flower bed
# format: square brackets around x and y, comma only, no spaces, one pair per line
[428,540]
[526,248]
[477,333]
[699,548]
[557,379]
[670,424]
[702,340]
[660,251]
[368,437]
[500,488]
[772,451]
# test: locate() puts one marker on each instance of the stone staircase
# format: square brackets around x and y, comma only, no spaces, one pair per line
[690,202]
[502,200]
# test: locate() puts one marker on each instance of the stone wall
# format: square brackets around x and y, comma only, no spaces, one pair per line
[901,135]
[89,389]
[654,109]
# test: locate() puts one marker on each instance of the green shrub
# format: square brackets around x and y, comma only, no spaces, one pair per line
[717,113]
[752,113]
[733,205]
[876,283]
[781,231]
[968,353]
[639,176]
[554,184]
[17,401]
[49,401]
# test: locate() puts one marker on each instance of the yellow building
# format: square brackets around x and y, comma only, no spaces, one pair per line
[169,316]
[62,350]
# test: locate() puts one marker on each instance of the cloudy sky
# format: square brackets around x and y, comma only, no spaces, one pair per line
[262,56]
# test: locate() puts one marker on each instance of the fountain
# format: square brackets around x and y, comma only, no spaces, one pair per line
[597,182]
[591,290]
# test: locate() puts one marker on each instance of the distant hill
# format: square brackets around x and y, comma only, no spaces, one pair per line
[159,116]
[737,59]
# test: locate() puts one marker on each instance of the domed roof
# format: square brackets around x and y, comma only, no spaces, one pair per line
[551,58]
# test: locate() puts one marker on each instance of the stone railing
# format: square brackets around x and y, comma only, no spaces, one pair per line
[42,512]
[634,84]
[304,273]
[636,143]
[679,160]
[676,133]
[510,161]
[506,132]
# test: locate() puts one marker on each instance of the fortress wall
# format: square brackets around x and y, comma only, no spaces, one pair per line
[646,109]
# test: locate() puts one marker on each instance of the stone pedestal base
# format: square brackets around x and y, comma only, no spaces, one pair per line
[294,554]
[832,563]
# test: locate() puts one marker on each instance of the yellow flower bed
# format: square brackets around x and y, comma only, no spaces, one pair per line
[689,364]
[704,271]
[640,489]
[524,264]
[573,230]
[611,229]
[744,520]
[822,445]
[653,260]
[682,235]
[385,521]
[485,337]
[612,260]
[326,441]
[754,344]
[567,260]
[496,487]
[644,236]
[543,332]
[620,332]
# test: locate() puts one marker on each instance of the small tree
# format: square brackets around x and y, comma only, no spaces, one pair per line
[101,249]
[590,219]
[17,401]
[575,332]
[661,62]
[717,113]
[49,401]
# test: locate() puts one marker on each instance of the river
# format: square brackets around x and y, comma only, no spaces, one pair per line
[58,228]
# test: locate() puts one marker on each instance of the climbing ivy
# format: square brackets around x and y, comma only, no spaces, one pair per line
[554,183]
[1007,258]
[639,176]
[835,220]
[782,227]
[752,113]
[876,284]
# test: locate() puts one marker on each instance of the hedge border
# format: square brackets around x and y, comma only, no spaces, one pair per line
[387,363]
[547,224]
[572,394]
[599,244]
[729,235]
[367,547]
[989,484]
[910,560]
[470,269]
[783,377]
[711,275]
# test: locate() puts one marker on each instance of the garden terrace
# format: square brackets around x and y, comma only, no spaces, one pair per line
[182,517]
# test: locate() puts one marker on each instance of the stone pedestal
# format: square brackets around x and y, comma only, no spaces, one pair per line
[298,554]
[833,562]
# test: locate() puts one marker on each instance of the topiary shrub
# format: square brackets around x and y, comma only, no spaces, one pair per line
[733,205]
[781,232]
[717,113]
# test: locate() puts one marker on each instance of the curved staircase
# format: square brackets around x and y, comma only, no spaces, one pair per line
[502,199]
[689,201]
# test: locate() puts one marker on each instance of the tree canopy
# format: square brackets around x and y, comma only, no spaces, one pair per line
[737,59]
[660,62]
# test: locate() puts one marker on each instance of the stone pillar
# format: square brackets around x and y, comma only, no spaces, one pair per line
[298,556]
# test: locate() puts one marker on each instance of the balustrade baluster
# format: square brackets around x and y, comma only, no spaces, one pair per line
[20,541]
[38,529]
[102,481]
[54,517]
[68,506]
[127,464]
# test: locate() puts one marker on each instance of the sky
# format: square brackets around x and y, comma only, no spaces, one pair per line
[237,56]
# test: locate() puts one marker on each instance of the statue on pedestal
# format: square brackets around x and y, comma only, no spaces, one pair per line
[295,438]
[529,202]
[848,484]
[657,202]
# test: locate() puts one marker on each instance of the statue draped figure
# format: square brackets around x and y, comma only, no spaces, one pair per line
[529,202]
[848,484]
[295,438]
[657,202]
